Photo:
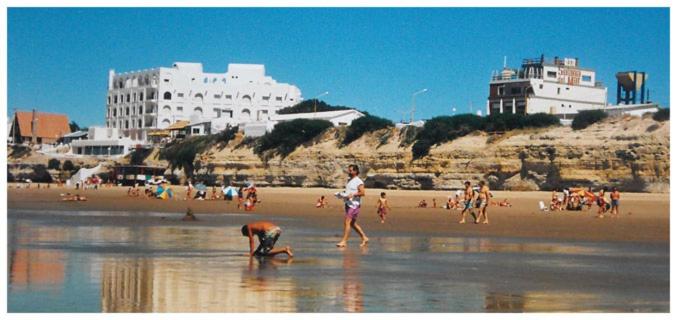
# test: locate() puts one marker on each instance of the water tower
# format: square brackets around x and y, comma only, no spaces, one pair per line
[629,83]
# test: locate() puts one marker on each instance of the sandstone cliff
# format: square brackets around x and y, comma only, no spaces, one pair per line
[629,152]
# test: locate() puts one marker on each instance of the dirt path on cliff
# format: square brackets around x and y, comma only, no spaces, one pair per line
[644,217]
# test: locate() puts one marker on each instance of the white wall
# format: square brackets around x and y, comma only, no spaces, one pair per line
[242,94]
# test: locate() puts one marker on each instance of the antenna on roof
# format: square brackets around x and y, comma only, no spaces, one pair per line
[505,61]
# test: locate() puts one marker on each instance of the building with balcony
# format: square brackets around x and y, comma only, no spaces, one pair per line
[559,86]
[140,101]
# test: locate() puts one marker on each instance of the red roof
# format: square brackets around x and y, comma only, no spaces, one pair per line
[48,125]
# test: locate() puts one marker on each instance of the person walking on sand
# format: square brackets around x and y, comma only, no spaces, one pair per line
[268,234]
[352,198]
[382,207]
[615,198]
[467,197]
[483,201]
[601,203]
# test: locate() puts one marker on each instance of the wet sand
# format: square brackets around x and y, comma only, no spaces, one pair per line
[644,217]
[118,261]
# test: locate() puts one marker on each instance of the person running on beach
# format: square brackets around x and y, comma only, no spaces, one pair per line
[268,234]
[467,197]
[382,207]
[352,198]
[615,198]
[483,201]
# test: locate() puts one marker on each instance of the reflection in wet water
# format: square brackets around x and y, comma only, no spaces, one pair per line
[145,264]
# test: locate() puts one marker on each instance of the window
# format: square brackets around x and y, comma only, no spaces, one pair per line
[128,97]
[278,98]
[134,97]
[205,80]
[558,90]
[218,113]
[180,95]
[165,80]
[126,124]
[115,99]
[179,109]
[127,111]
[552,74]
[196,130]
[139,126]
[228,96]
[266,98]
[540,86]
[115,112]
[501,90]
[517,90]
[217,96]
[140,109]
[141,96]
[167,96]
[108,99]
[586,78]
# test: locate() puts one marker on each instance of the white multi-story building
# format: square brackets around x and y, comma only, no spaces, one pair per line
[560,87]
[139,101]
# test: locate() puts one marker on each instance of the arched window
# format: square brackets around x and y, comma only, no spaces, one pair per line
[127,111]
[247,99]
[140,109]
[139,124]
[199,97]
[165,123]
[115,112]
[246,114]
[167,109]
[197,111]
[167,96]
[126,124]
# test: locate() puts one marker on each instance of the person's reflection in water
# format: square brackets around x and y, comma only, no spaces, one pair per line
[261,269]
[352,285]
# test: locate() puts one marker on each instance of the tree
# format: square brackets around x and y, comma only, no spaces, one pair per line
[75,127]
[68,166]
[53,164]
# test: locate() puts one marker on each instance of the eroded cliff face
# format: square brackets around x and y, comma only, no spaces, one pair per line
[631,153]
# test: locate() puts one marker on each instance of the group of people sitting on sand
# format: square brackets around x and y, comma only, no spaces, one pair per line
[71,197]
[579,198]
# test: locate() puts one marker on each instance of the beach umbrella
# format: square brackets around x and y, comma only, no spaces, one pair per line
[200,187]
[230,191]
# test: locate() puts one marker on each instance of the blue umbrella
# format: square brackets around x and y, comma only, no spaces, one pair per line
[230,191]
[201,187]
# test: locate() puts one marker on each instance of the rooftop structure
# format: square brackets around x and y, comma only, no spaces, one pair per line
[559,86]
[38,127]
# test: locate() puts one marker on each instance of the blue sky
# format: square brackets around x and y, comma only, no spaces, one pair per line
[369,58]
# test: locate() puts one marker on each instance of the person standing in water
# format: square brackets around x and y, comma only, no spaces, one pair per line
[352,198]
[382,207]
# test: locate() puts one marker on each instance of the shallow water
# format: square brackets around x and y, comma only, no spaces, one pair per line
[131,262]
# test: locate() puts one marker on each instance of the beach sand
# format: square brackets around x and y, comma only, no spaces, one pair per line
[643,218]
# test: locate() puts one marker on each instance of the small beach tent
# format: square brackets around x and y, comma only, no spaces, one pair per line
[85,173]
[165,194]
[230,191]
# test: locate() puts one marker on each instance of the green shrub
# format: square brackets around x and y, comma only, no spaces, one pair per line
[663,114]
[408,135]
[287,136]
[53,164]
[363,125]
[585,118]
[309,106]
[181,153]
[68,166]
[446,128]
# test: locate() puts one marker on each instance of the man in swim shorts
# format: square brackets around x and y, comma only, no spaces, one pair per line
[268,234]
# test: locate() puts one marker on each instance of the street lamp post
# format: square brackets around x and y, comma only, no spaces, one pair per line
[315,100]
[413,103]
